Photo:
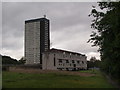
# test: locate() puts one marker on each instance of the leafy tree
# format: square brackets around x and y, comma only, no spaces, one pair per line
[22,61]
[106,35]
[93,62]
[93,59]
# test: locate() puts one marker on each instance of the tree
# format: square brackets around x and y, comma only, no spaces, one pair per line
[22,61]
[106,35]
[9,60]
[93,59]
[93,63]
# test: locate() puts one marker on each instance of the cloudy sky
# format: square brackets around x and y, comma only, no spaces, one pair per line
[69,26]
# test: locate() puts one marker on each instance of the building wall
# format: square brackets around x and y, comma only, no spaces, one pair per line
[36,39]
[48,61]
[32,44]
[64,61]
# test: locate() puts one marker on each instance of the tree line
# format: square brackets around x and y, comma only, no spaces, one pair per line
[7,60]
[106,35]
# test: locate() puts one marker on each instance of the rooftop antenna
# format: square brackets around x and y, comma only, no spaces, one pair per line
[44,16]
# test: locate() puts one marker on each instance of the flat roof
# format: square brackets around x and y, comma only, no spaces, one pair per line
[37,19]
[60,50]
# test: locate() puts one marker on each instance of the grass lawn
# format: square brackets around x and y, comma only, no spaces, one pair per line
[54,80]
[0,80]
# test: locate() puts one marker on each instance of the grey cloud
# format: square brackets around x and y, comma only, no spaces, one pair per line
[70,24]
[12,43]
[0,25]
[73,38]
[64,14]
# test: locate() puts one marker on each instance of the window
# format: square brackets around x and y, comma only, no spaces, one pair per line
[82,62]
[70,55]
[80,55]
[67,61]
[78,61]
[73,61]
[60,60]
[63,54]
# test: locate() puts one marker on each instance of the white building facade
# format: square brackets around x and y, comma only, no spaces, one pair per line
[56,59]
[32,36]
[36,39]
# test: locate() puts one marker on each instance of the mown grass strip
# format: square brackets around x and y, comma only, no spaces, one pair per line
[53,80]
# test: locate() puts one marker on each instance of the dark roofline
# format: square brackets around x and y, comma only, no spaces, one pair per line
[53,49]
[38,19]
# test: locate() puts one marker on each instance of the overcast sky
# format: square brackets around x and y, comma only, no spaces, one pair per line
[69,26]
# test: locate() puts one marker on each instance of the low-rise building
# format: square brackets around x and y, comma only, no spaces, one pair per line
[57,59]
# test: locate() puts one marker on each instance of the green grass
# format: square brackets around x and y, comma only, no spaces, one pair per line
[0,80]
[54,80]
[89,71]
